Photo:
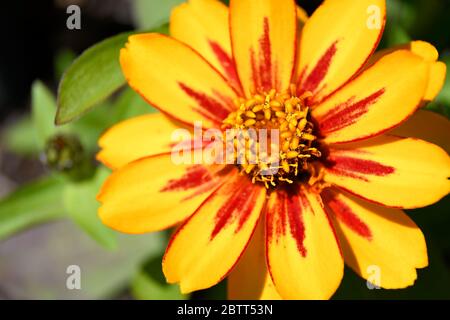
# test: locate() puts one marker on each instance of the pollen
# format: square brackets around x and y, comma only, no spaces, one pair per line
[289,157]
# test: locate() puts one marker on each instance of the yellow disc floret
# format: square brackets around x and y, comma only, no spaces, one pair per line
[296,146]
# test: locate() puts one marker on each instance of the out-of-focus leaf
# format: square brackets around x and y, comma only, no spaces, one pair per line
[63,60]
[89,127]
[396,35]
[43,111]
[81,205]
[53,247]
[149,283]
[149,14]
[90,79]
[31,204]
[401,13]
[20,137]
[130,104]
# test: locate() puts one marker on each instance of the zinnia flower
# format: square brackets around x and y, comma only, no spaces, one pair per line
[351,150]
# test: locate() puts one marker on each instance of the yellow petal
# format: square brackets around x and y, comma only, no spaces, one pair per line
[393,171]
[382,245]
[203,25]
[153,193]
[429,53]
[136,138]
[263,36]
[250,279]
[302,18]
[438,71]
[336,42]
[205,248]
[423,49]
[303,255]
[428,126]
[379,99]
[175,79]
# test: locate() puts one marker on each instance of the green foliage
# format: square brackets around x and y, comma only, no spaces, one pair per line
[20,137]
[34,203]
[150,14]
[43,108]
[90,79]
[81,205]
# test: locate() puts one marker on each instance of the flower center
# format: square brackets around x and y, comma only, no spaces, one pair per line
[284,120]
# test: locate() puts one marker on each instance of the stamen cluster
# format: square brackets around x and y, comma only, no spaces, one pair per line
[287,113]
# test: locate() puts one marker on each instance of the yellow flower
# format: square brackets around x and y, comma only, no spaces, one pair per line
[351,150]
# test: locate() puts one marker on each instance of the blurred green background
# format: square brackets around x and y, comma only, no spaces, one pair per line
[48,178]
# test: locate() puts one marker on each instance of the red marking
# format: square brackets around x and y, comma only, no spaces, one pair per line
[347,113]
[294,213]
[346,215]
[357,168]
[262,70]
[289,207]
[243,195]
[195,177]
[227,63]
[319,72]
[209,107]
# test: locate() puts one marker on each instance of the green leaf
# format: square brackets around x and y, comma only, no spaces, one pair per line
[43,111]
[20,137]
[150,14]
[92,77]
[31,204]
[149,283]
[81,205]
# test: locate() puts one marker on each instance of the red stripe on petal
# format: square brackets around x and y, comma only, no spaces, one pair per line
[227,64]
[356,168]
[243,194]
[314,79]
[213,108]
[347,113]
[262,68]
[194,177]
[266,63]
[295,212]
[346,215]
[286,212]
